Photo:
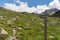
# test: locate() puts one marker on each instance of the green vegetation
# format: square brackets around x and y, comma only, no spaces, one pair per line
[28,26]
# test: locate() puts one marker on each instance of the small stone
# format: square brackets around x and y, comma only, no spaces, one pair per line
[10,38]
[51,36]
[20,28]
[9,21]
[3,31]
[1,18]
[14,18]
[17,17]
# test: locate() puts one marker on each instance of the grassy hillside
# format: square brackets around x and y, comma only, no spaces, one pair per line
[28,26]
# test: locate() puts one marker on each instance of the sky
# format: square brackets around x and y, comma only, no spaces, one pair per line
[30,2]
[31,6]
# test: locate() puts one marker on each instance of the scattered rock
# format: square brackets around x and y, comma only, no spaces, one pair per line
[14,34]
[17,17]
[13,18]
[9,21]
[51,36]
[3,31]
[10,38]
[1,17]
[20,28]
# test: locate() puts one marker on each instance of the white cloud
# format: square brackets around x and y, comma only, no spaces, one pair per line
[55,4]
[41,8]
[23,7]
[11,6]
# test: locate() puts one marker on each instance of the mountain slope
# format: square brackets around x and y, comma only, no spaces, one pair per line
[57,14]
[50,11]
[27,26]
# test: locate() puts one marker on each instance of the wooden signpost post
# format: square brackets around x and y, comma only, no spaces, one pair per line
[45,25]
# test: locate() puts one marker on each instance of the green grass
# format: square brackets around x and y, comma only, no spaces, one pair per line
[31,24]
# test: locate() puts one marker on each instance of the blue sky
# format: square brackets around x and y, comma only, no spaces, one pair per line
[30,2]
[36,6]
